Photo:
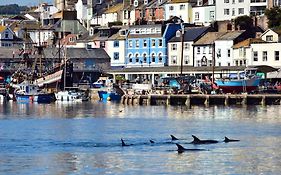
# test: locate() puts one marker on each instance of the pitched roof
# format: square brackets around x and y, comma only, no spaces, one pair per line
[248,42]
[178,1]
[231,35]
[209,38]
[96,53]
[114,9]
[191,34]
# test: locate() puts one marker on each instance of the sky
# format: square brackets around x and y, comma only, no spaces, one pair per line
[24,2]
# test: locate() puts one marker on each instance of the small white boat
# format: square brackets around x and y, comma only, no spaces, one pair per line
[69,95]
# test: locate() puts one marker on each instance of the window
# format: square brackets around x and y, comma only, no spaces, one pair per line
[171,8]
[226,1]
[264,56]
[255,56]
[6,35]
[153,42]
[137,57]
[174,59]
[137,43]
[186,46]
[130,43]
[144,43]
[228,52]
[116,56]
[233,12]
[242,52]
[240,11]
[233,1]
[226,11]
[160,58]
[102,44]
[196,16]
[210,49]
[219,53]
[186,59]
[130,58]
[276,55]
[269,38]
[212,15]
[182,7]
[144,58]
[153,57]
[174,46]
[160,42]
[198,50]
[204,50]
[241,1]
[116,44]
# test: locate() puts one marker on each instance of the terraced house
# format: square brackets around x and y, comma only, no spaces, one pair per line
[146,45]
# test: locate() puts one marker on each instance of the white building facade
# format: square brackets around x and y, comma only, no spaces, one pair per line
[230,9]
[204,14]
[181,9]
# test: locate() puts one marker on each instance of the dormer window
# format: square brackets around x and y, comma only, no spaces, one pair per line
[136,3]
[6,35]
[91,31]
[145,1]
[122,32]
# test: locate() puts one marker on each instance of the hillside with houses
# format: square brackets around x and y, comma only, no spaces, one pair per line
[138,36]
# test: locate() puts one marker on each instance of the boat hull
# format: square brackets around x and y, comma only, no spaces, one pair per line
[111,96]
[39,98]
[238,86]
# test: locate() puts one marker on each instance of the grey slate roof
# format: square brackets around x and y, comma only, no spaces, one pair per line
[191,34]
[96,53]
[175,69]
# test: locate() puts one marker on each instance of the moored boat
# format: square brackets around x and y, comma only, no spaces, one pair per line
[247,81]
[29,92]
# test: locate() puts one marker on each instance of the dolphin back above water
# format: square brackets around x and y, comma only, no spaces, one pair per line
[173,137]
[226,140]
[196,140]
[181,149]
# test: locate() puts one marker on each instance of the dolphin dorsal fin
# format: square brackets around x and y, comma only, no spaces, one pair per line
[180,148]
[226,139]
[195,138]
[123,143]
[173,137]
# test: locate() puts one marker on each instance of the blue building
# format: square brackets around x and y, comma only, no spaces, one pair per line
[146,45]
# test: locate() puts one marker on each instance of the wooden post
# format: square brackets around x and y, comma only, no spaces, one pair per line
[207,100]
[244,101]
[226,100]
[168,100]
[148,100]
[187,101]
[263,101]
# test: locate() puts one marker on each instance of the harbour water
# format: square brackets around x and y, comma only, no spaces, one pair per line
[84,138]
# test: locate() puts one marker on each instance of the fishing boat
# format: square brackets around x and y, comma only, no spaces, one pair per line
[109,95]
[246,81]
[29,92]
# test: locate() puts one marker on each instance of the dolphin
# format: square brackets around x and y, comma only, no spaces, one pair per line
[151,141]
[173,137]
[196,140]
[181,149]
[226,140]
[124,144]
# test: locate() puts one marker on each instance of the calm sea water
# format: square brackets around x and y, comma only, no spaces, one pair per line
[84,138]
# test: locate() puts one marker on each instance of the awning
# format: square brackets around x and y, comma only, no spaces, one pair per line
[266,68]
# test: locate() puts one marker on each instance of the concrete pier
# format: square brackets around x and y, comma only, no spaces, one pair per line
[199,99]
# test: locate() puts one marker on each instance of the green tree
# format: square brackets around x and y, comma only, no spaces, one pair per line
[245,22]
[274,17]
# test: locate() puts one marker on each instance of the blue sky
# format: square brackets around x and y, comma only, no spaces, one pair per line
[24,2]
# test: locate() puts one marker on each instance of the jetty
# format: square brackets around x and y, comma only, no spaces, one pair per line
[203,99]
